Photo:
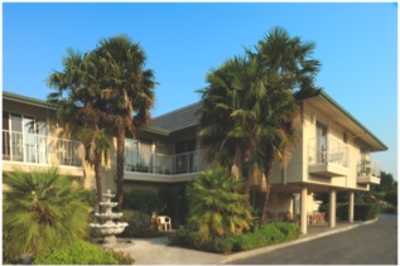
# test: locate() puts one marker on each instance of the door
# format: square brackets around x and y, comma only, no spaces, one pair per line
[184,162]
[16,144]
[322,143]
[6,136]
[30,140]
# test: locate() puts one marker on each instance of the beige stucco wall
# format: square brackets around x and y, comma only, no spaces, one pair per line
[85,173]
[335,131]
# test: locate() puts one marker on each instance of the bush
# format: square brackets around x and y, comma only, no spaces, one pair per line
[362,212]
[218,207]
[89,197]
[42,210]
[391,197]
[82,252]
[390,210]
[139,225]
[265,235]
[268,234]
[144,201]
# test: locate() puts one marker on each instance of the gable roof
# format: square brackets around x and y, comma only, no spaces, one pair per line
[380,146]
[27,100]
[178,119]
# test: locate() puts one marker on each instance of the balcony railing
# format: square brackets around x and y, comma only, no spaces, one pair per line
[143,158]
[40,149]
[368,168]
[335,152]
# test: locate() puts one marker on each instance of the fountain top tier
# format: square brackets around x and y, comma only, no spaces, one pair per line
[108,194]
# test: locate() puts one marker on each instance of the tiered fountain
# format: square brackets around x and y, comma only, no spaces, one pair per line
[107,227]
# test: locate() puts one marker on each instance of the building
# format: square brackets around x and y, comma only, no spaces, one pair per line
[331,155]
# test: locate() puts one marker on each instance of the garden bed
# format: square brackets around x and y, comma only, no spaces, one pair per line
[269,234]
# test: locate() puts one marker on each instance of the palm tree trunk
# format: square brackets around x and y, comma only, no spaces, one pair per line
[120,165]
[236,169]
[99,187]
[267,173]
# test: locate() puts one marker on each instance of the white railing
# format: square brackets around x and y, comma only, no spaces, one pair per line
[142,157]
[334,152]
[368,168]
[40,149]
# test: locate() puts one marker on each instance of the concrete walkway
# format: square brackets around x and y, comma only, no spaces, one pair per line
[157,251]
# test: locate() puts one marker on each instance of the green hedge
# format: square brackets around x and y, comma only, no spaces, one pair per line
[265,235]
[82,252]
[362,211]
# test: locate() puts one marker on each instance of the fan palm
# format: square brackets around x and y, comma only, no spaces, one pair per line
[218,207]
[226,114]
[77,93]
[127,93]
[41,211]
[288,73]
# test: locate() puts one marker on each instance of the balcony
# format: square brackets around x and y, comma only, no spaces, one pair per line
[327,161]
[29,150]
[144,163]
[368,172]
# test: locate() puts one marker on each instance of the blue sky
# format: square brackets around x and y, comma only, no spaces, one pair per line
[356,44]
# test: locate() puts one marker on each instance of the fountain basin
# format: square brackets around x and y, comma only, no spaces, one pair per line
[112,215]
[109,229]
[109,204]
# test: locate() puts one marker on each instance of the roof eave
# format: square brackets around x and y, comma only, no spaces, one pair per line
[324,95]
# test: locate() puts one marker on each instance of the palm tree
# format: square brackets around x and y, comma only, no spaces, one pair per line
[218,207]
[42,210]
[250,104]
[288,73]
[226,116]
[127,93]
[76,96]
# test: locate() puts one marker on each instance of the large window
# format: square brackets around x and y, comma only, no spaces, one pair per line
[26,139]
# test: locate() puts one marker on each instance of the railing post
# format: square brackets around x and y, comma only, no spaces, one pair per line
[153,152]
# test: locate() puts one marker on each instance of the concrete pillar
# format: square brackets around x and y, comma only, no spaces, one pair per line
[351,207]
[303,210]
[332,208]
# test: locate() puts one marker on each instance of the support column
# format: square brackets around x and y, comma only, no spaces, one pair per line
[303,210]
[332,208]
[351,206]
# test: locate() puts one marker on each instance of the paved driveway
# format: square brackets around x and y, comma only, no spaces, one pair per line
[370,244]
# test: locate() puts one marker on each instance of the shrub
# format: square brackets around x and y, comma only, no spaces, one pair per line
[265,235]
[218,207]
[144,201]
[42,210]
[362,212]
[82,252]
[391,197]
[89,197]
[139,225]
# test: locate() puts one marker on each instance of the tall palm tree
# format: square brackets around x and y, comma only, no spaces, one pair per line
[226,117]
[288,73]
[127,93]
[76,93]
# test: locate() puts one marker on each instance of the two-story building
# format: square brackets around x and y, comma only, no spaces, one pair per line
[331,155]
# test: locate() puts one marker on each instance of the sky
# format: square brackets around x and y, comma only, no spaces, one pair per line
[356,44]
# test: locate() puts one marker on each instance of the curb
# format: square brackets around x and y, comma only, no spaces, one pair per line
[263,250]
